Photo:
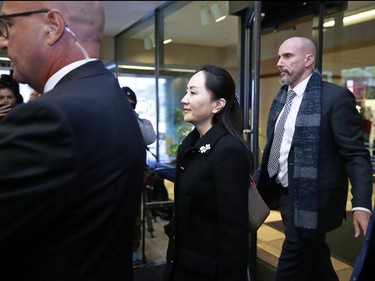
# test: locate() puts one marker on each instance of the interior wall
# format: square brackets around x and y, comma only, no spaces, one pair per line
[107,49]
[178,54]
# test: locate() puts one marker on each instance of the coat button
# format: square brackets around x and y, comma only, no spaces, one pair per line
[182,169]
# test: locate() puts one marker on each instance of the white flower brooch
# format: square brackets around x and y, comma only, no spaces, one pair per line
[204,148]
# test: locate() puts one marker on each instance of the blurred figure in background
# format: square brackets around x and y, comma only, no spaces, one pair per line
[9,94]
[149,136]
[148,132]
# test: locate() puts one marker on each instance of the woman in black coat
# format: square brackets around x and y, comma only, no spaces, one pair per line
[209,234]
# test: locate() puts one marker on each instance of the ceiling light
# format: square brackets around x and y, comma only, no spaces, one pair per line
[213,11]
[167,41]
[205,16]
[149,67]
[148,44]
[353,19]
[359,17]
[136,67]
[149,41]
[330,23]
[217,12]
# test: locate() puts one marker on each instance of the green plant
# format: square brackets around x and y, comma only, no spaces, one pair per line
[182,130]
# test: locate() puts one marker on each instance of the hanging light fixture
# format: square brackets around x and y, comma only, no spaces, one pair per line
[149,41]
[205,13]
[213,11]
[217,11]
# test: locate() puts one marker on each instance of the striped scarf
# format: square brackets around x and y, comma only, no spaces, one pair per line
[306,146]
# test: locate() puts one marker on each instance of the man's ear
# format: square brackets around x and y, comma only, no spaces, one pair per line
[55,28]
[309,59]
[219,105]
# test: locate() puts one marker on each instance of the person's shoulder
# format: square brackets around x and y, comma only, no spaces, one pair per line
[329,86]
[228,148]
[334,92]
[145,121]
[229,144]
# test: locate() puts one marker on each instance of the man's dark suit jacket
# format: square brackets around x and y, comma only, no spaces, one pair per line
[342,154]
[71,169]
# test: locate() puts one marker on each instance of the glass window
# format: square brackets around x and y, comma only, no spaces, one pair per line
[186,29]
[349,39]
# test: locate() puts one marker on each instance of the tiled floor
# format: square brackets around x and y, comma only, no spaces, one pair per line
[269,247]
[155,244]
[154,249]
[269,241]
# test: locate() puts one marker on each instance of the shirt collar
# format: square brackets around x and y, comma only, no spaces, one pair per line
[55,78]
[301,87]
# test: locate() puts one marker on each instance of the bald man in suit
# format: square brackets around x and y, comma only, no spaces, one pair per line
[322,147]
[72,160]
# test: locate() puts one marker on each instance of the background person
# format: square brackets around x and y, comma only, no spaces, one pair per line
[9,94]
[322,146]
[149,136]
[209,234]
[69,167]
[147,129]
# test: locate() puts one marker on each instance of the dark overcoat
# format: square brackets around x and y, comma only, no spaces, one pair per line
[209,235]
[342,156]
[71,171]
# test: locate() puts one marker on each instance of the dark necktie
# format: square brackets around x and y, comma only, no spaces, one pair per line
[273,161]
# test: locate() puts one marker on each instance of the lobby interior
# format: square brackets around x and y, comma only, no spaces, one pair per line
[269,242]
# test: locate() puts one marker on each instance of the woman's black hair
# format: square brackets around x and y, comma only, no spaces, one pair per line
[221,85]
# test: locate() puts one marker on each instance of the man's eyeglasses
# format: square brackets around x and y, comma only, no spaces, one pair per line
[4,32]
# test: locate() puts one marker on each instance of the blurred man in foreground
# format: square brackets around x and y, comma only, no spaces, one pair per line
[69,167]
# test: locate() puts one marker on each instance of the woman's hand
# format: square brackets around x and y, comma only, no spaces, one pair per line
[4,109]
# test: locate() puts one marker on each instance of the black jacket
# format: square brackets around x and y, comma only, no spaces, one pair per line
[209,234]
[71,173]
[342,156]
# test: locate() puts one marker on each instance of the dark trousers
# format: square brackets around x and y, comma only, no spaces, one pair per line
[302,259]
